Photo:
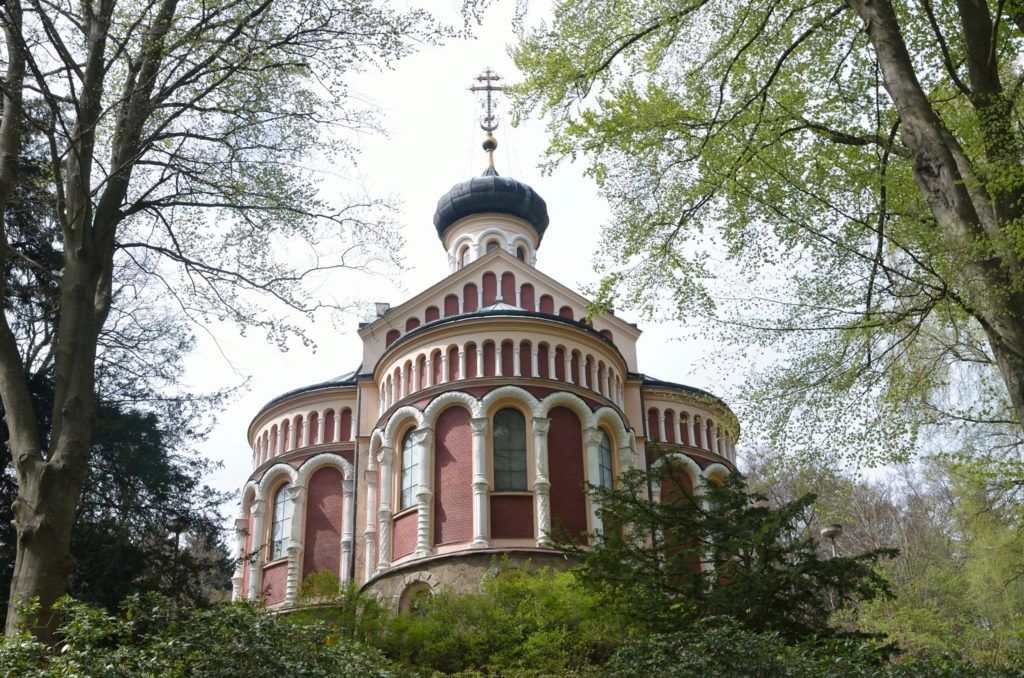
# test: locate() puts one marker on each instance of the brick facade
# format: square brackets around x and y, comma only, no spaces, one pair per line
[404,539]
[565,469]
[322,543]
[453,477]
[511,516]
[274,579]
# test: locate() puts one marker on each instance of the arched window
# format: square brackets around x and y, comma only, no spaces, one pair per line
[604,462]
[521,253]
[281,527]
[464,256]
[492,245]
[410,467]
[509,451]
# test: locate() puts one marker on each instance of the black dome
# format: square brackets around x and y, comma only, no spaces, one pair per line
[491,193]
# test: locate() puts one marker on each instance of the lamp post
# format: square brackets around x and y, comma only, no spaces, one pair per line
[177,525]
[830,532]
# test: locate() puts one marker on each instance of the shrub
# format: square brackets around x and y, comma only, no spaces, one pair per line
[151,637]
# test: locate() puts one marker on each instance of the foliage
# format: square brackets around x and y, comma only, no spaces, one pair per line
[834,189]
[522,623]
[715,649]
[174,152]
[151,636]
[957,580]
[349,613]
[725,553]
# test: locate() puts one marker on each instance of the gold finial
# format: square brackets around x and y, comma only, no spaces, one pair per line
[489,121]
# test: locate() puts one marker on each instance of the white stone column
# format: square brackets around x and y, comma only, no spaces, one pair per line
[716,446]
[291,587]
[516,372]
[661,426]
[462,364]
[479,427]
[480,296]
[404,386]
[280,441]
[421,439]
[480,361]
[337,425]
[429,367]
[385,457]
[444,368]
[592,442]
[552,372]
[534,363]
[679,427]
[684,425]
[498,371]
[568,368]
[349,520]
[594,386]
[541,484]
[415,376]
[304,435]
[370,531]
[322,433]
[241,530]
[519,294]
[258,509]
[698,432]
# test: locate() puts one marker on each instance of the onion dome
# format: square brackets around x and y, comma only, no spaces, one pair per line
[491,192]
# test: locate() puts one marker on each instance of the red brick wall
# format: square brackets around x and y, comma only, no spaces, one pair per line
[322,543]
[274,579]
[565,469]
[543,362]
[490,284]
[453,364]
[489,359]
[438,366]
[511,516]
[451,305]
[525,358]
[508,288]
[508,356]
[526,298]
[346,425]
[469,297]
[453,477]
[403,537]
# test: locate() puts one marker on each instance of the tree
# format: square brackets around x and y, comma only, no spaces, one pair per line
[851,174]
[680,558]
[141,477]
[178,138]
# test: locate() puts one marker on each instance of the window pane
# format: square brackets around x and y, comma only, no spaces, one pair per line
[281,527]
[509,450]
[410,466]
[605,461]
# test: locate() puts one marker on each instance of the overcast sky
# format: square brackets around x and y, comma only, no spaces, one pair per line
[434,142]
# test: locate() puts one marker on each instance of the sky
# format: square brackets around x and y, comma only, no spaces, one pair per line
[432,142]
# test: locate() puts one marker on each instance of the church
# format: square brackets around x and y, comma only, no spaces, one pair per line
[473,421]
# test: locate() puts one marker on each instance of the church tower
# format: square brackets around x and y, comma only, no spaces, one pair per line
[479,412]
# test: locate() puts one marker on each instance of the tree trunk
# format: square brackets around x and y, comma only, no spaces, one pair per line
[990,274]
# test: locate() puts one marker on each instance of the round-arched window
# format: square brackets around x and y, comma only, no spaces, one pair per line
[281,526]
[509,451]
[492,245]
[521,253]
[410,466]
[464,256]
[604,461]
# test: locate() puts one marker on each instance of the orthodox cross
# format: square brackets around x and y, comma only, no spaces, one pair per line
[489,78]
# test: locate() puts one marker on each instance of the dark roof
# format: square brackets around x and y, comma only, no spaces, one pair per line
[491,192]
[651,381]
[347,379]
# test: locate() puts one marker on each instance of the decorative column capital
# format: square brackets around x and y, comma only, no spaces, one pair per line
[591,437]
[258,507]
[479,425]
[541,425]
[421,436]
[295,493]
[384,455]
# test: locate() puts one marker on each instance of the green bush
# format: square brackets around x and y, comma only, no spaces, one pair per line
[521,623]
[151,637]
[719,648]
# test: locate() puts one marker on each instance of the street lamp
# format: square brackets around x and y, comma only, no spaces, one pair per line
[177,525]
[830,532]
